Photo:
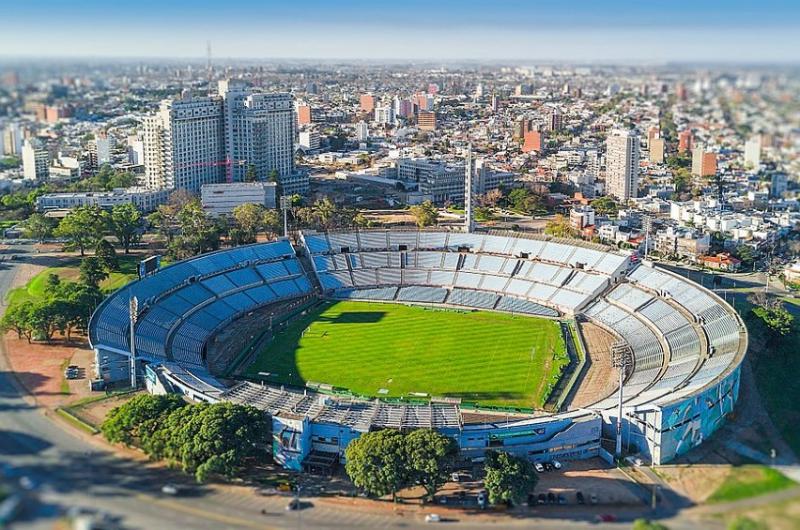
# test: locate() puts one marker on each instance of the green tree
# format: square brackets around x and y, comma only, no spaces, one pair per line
[198,232]
[38,227]
[275,177]
[605,205]
[644,524]
[213,439]
[249,218]
[425,214]
[126,222]
[776,319]
[139,418]
[82,228]
[376,463]
[105,253]
[430,458]
[92,271]
[17,318]
[271,221]
[509,479]
[560,227]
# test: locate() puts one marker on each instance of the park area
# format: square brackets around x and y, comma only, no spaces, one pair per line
[392,350]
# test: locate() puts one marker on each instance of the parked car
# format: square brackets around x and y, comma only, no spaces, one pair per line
[557,464]
[293,505]
[551,497]
[579,498]
[593,498]
[548,466]
[541,499]
[606,518]
[538,467]
[562,499]
[433,518]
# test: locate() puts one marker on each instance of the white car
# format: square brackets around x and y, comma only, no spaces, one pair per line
[169,489]
[557,464]
[538,467]
[433,518]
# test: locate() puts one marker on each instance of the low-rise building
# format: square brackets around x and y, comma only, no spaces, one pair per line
[221,199]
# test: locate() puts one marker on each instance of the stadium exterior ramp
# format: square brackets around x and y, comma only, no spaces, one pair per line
[686,343]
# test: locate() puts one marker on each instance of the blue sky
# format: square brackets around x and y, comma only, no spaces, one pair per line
[576,30]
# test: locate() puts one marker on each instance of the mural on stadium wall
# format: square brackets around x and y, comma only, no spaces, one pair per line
[690,422]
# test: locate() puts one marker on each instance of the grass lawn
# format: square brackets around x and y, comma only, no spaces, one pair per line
[392,350]
[68,270]
[748,481]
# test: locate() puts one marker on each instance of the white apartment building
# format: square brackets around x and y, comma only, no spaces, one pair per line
[221,199]
[362,131]
[103,145]
[260,131]
[35,161]
[752,152]
[309,140]
[622,164]
[184,144]
[208,140]
[384,115]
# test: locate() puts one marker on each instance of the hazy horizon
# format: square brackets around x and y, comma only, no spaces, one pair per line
[412,30]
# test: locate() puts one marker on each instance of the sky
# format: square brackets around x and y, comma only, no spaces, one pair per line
[436,30]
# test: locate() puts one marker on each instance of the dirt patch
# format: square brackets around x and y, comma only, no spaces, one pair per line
[94,412]
[40,367]
[696,482]
[599,380]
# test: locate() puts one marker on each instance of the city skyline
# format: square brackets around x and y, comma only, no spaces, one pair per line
[620,30]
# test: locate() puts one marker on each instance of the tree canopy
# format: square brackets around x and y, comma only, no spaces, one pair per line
[82,228]
[126,223]
[509,479]
[425,214]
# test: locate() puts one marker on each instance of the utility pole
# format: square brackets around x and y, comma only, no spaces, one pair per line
[134,315]
[621,359]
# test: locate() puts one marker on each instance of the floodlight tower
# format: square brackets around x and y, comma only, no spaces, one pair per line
[469,223]
[133,311]
[621,359]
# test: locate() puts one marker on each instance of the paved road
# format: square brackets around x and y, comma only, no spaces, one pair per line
[71,470]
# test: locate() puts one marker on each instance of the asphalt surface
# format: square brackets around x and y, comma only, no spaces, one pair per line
[70,470]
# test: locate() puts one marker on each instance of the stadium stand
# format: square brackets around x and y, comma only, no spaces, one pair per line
[686,343]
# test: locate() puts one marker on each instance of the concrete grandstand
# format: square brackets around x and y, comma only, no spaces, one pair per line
[686,344]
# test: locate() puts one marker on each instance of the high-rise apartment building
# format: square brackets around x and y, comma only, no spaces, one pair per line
[622,164]
[362,131]
[260,131]
[685,141]
[184,144]
[704,163]
[193,141]
[384,115]
[426,121]
[554,119]
[752,152]
[303,115]
[35,161]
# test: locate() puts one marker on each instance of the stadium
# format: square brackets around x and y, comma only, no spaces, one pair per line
[500,340]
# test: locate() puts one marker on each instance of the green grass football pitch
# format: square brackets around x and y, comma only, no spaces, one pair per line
[393,350]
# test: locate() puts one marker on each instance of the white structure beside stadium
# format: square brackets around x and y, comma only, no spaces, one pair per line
[687,344]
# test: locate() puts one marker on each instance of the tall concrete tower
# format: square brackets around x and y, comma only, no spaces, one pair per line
[469,223]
